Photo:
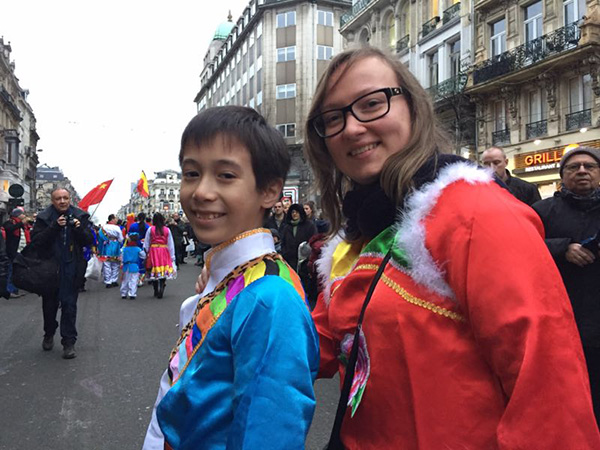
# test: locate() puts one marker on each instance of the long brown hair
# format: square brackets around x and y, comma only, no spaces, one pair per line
[396,177]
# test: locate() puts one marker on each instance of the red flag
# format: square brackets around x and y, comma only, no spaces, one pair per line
[95,196]
[142,186]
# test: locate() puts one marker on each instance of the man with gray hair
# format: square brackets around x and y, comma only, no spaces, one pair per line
[571,221]
[495,158]
[60,233]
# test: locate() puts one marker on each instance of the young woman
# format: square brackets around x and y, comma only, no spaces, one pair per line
[469,340]
[158,245]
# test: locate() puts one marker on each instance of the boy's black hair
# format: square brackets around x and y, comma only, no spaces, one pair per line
[268,152]
[111,217]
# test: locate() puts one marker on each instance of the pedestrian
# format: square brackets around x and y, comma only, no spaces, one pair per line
[572,225]
[14,230]
[310,210]
[131,255]
[110,240]
[4,265]
[140,227]
[495,158]
[276,220]
[468,340]
[179,233]
[242,372]
[60,233]
[297,229]
[160,251]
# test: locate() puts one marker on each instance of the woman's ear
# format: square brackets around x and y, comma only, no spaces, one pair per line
[271,193]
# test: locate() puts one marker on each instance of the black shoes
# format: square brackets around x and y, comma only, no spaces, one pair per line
[48,343]
[69,351]
[161,289]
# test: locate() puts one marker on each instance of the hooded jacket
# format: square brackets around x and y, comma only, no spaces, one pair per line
[290,241]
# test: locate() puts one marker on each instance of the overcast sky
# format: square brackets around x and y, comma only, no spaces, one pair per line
[111,83]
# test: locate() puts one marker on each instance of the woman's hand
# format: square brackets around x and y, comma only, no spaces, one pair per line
[202,280]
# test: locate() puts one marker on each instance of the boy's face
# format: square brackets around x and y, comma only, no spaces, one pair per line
[218,191]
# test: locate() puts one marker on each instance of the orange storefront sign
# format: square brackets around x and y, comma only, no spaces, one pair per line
[543,160]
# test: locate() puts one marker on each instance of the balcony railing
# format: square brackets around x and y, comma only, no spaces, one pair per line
[501,137]
[451,13]
[448,88]
[579,119]
[536,129]
[402,44]
[356,10]
[429,26]
[532,52]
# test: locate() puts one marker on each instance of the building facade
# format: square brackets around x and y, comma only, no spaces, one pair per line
[163,196]
[18,136]
[536,81]
[270,59]
[433,38]
[47,179]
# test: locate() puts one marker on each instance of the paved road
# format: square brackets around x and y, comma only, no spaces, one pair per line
[102,400]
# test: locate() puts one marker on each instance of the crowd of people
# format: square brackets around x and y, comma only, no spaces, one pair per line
[459,309]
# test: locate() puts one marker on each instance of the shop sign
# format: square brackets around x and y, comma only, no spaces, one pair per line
[538,161]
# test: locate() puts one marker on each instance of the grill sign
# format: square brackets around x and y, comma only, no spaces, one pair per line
[538,161]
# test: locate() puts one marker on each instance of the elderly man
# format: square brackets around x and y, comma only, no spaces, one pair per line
[572,218]
[60,232]
[495,158]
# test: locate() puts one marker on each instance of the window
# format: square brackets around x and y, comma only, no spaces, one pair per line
[537,106]
[454,59]
[286,19]
[259,80]
[286,91]
[580,93]
[498,39]
[573,10]
[433,64]
[324,52]
[499,116]
[533,21]
[325,18]
[12,150]
[286,54]
[391,26]
[287,129]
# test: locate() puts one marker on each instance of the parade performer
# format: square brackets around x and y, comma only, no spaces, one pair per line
[469,339]
[241,374]
[158,245]
[131,255]
[110,239]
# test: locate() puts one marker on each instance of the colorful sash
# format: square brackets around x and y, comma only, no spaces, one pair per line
[209,308]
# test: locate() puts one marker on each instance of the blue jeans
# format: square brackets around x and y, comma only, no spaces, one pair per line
[11,288]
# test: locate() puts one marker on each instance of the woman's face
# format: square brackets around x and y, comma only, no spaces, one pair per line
[361,149]
[308,211]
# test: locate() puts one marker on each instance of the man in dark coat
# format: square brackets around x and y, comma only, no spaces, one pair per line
[4,264]
[60,233]
[179,233]
[296,230]
[571,217]
[14,228]
[495,158]
[276,221]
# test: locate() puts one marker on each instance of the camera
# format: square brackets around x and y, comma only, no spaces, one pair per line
[70,220]
[592,243]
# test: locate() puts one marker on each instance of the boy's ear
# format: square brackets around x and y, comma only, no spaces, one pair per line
[271,193]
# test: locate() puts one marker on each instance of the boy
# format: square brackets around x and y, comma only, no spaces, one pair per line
[131,255]
[241,375]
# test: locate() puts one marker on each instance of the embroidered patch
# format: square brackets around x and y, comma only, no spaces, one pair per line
[362,369]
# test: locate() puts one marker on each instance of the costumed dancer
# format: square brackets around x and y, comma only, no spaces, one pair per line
[158,245]
[110,238]
[131,255]
[140,227]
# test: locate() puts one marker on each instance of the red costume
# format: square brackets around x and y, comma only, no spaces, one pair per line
[469,339]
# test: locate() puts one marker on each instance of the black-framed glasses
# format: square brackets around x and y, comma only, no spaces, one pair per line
[369,107]
[574,167]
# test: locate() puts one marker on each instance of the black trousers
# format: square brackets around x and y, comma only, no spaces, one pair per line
[592,358]
[65,298]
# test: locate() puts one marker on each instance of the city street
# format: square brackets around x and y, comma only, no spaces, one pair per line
[102,399]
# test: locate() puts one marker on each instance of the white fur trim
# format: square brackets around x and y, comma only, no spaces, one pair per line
[411,229]
[324,265]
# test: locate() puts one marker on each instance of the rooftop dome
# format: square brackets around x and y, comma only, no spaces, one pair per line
[224,29]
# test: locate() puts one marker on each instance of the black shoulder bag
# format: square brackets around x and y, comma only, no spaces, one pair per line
[33,273]
[335,442]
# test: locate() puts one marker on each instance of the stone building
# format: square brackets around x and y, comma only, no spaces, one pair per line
[47,179]
[536,81]
[270,59]
[18,136]
[163,198]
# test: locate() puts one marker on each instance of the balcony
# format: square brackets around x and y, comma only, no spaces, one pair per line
[501,137]
[536,129]
[7,99]
[429,26]
[402,44]
[579,119]
[451,13]
[357,8]
[448,88]
[532,52]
